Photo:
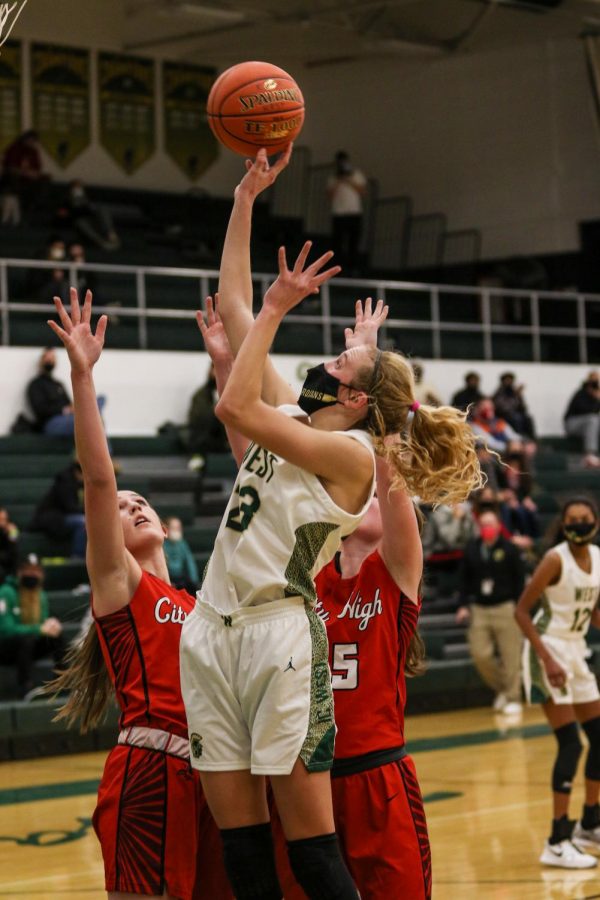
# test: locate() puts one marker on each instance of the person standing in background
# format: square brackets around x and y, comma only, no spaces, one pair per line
[181,564]
[492,580]
[582,418]
[346,189]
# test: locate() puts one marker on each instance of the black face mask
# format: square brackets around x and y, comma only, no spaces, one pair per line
[319,390]
[30,581]
[48,367]
[580,532]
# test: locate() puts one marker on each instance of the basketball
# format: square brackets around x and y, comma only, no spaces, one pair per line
[253,105]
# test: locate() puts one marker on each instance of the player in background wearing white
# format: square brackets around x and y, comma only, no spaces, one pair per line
[435,458]
[556,674]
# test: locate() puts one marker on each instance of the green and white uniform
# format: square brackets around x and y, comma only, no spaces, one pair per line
[563,621]
[254,655]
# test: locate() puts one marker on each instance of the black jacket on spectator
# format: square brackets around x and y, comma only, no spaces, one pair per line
[463,399]
[47,398]
[9,552]
[491,574]
[582,403]
[64,497]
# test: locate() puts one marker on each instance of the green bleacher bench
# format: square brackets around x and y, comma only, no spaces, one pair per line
[61,576]
[35,444]
[42,544]
[33,466]
[67,606]
[220,465]
[156,445]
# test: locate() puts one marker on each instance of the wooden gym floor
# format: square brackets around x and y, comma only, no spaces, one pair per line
[485,784]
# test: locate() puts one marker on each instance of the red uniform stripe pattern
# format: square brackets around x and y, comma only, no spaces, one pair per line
[415,802]
[140,864]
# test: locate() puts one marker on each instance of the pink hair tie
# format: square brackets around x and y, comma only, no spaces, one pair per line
[415,406]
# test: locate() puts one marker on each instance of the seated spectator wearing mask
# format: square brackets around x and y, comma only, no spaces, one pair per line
[495,432]
[49,401]
[59,513]
[492,578]
[27,632]
[9,536]
[582,418]
[181,564]
[92,220]
[205,433]
[510,404]
[470,393]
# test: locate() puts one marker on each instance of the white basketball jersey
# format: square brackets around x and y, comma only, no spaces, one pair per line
[567,606]
[279,529]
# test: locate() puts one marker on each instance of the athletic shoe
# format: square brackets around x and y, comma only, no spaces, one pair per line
[586,839]
[512,708]
[566,856]
[499,703]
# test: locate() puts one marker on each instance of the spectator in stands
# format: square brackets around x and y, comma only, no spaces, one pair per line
[48,398]
[346,189]
[92,220]
[446,532]
[489,465]
[85,280]
[205,433]
[492,579]
[22,170]
[181,564]
[520,518]
[424,392]
[49,283]
[9,548]
[27,632]
[495,432]
[514,475]
[10,205]
[510,405]
[59,513]
[582,418]
[470,393]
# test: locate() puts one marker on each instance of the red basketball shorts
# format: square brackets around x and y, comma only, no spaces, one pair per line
[381,824]
[155,829]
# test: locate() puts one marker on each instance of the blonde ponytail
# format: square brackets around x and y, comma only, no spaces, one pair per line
[434,456]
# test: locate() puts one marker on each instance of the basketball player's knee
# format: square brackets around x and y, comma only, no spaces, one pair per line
[592,763]
[569,751]
[250,862]
[319,868]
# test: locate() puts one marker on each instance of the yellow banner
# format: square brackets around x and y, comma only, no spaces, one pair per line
[188,138]
[126,87]
[60,96]
[10,93]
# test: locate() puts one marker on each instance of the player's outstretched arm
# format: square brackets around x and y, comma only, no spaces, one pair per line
[332,456]
[217,346]
[114,574]
[235,278]
[401,548]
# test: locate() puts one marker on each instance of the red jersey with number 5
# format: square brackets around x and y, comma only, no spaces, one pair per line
[369,626]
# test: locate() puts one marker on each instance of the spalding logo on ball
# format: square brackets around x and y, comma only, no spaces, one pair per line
[253,105]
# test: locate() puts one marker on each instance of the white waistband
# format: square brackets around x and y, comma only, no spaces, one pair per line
[155,739]
[249,615]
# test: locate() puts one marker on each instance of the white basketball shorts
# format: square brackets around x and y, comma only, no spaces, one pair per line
[581,685]
[257,688]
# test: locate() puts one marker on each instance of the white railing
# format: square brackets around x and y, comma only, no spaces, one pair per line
[538,319]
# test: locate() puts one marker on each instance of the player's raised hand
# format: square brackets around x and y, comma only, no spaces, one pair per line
[367,324]
[293,285]
[260,174]
[213,331]
[83,346]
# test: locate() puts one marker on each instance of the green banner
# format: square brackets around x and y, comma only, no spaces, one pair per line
[188,138]
[126,86]
[60,96]
[10,93]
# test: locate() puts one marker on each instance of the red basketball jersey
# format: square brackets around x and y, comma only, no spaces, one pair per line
[140,645]
[369,626]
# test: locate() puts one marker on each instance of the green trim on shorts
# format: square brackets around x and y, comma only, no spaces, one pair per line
[310,539]
[317,749]
[539,692]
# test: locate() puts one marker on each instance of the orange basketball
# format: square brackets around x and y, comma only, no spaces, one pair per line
[253,105]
